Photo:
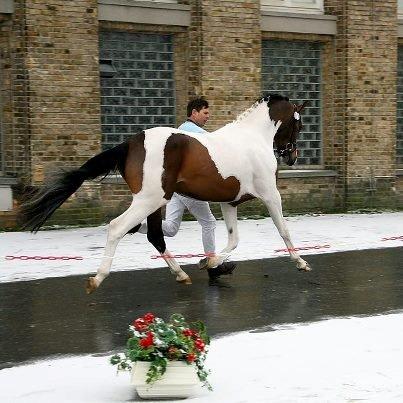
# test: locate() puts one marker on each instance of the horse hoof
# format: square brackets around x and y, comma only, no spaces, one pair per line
[203,264]
[185,280]
[91,285]
[305,269]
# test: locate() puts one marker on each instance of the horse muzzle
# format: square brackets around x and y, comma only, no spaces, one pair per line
[289,154]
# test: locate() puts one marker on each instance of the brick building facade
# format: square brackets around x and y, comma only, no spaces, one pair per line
[82,75]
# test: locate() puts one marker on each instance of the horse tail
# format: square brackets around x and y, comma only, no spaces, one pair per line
[43,202]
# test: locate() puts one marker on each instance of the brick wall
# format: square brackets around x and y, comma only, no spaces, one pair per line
[224,63]
[51,99]
[365,99]
[54,111]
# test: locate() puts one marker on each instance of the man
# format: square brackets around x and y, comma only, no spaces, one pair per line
[197,116]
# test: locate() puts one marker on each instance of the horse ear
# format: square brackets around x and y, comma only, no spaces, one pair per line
[302,106]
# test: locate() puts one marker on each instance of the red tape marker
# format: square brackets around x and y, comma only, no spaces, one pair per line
[303,248]
[393,238]
[187,255]
[23,257]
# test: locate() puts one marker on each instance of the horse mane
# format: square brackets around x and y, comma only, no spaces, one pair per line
[270,99]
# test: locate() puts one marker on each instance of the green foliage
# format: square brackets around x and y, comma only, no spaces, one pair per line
[153,340]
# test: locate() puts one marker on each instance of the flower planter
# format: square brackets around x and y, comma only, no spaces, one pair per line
[179,381]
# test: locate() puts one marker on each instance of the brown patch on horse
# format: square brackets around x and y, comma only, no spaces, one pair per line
[133,171]
[189,170]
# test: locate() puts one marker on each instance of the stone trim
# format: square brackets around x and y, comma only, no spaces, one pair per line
[7,6]
[289,173]
[143,12]
[306,173]
[7,181]
[298,23]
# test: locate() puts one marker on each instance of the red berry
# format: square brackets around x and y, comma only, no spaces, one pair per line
[140,325]
[149,317]
[199,344]
[187,333]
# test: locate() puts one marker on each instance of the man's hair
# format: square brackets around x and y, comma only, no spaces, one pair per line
[196,103]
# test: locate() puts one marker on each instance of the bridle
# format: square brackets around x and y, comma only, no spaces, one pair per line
[291,146]
[287,150]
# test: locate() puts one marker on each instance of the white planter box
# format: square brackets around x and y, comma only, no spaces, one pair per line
[179,381]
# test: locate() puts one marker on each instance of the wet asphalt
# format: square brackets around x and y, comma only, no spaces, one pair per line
[54,316]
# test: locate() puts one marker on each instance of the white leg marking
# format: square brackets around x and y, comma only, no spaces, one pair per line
[175,269]
[272,199]
[230,217]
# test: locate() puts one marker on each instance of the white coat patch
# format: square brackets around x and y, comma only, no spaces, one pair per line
[242,149]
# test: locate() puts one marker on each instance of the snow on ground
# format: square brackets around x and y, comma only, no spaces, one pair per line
[258,239]
[338,360]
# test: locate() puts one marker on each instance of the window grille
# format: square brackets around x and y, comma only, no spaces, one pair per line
[293,69]
[139,92]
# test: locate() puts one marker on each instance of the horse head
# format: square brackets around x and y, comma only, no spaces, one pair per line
[285,140]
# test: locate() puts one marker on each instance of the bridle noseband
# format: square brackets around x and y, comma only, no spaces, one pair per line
[289,149]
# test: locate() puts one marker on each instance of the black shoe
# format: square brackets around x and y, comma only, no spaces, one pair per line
[221,270]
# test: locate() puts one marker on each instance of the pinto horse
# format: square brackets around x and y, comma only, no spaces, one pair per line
[230,165]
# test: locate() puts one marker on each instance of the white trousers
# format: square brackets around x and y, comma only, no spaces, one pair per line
[199,209]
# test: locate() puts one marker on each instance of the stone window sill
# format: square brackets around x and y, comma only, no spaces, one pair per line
[7,181]
[6,6]
[292,173]
[144,12]
[306,173]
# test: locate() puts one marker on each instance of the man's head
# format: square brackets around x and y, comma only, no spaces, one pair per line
[198,111]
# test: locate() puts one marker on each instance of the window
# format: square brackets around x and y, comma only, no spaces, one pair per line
[297,6]
[293,69]
[137,84]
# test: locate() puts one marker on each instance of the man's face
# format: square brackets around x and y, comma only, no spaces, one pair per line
[201,117]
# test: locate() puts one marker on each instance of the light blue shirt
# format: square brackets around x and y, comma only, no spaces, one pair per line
[191,127]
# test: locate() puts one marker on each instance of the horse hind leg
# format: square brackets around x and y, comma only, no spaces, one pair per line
[156,238]
[118,227]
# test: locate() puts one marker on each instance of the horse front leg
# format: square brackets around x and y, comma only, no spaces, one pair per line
[230,218]
[272,199]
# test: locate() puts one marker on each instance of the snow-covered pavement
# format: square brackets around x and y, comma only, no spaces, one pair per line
[259,239]
[337,360]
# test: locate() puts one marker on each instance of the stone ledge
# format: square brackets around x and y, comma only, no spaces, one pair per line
[306,173]
[6,6]
[292,173]
[298,23]
[399,172]
[144,12]
[400,27]
[7,181]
